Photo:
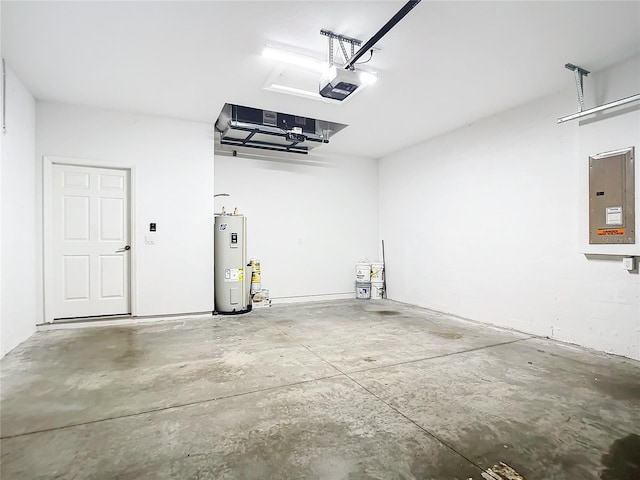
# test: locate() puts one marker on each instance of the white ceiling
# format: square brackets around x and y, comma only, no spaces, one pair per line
[445,65]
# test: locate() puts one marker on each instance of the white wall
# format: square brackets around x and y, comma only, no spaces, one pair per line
[608,131]
[483,223]
[18,206]
[173,187]
[310,219]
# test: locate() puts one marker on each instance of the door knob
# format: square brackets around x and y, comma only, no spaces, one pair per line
[126,247]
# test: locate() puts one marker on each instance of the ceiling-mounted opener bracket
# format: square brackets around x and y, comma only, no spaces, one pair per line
[578,73]
[342,40]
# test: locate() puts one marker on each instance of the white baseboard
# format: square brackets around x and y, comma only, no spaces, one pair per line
[313,298]
[109,322]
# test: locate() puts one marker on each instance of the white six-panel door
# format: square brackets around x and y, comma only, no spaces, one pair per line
[91,256]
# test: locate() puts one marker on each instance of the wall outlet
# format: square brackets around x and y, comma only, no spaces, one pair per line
[149,239]
[629,263]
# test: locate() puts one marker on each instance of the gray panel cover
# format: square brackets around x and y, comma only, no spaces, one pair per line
[612,198]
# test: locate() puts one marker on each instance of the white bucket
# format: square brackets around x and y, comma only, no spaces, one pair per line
[377,271]
[363,272]
[377,290]
[363,290]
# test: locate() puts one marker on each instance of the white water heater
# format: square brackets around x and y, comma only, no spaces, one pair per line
[232,274]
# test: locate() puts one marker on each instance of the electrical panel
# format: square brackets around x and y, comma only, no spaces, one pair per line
[612,198]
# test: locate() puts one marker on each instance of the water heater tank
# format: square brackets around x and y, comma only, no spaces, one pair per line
[232,275]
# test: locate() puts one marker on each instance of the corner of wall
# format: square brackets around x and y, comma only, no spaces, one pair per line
[18,316]
[489,226]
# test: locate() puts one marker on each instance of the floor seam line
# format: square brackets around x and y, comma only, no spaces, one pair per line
[214,399]
[171,407]
[407,361]
[424,359]
[308,349]
[406,417]
[432,435]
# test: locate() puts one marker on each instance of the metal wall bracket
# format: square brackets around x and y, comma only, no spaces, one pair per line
[342,40]
[578,73]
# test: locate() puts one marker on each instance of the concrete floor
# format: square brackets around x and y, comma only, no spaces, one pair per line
[352,389]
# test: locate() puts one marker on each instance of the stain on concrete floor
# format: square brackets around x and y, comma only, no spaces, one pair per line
[130,353]
[386,313]
[617,387]
[622,461]
[449,335]
[239,399]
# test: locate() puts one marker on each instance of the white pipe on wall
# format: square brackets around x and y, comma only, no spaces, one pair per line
[606,106]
